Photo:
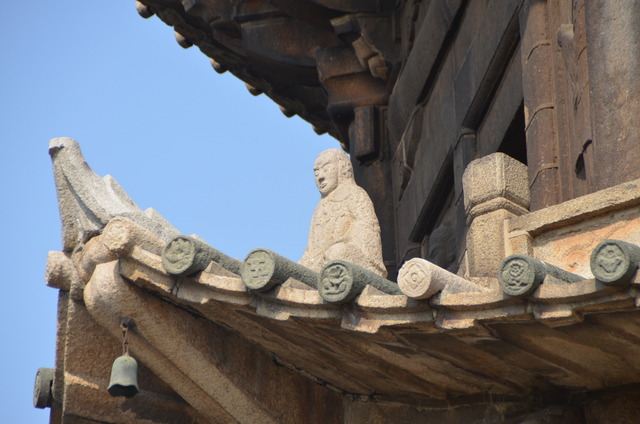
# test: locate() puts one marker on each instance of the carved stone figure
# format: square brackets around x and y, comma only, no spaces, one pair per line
[344,224]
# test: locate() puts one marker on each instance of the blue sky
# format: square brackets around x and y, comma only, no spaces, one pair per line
[180,138]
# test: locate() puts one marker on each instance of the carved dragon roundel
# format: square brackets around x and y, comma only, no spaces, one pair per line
[335,283]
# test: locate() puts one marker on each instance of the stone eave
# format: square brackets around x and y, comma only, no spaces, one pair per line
[462,343]
[438,349]
[315,59]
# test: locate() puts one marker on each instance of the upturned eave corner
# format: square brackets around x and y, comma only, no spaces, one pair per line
[113,268]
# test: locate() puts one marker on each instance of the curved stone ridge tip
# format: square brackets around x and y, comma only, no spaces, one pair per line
[58,143]
[87,202]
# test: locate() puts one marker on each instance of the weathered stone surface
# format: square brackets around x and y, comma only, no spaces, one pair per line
[519,275]
[488,56]
[87,202]
[539,103]
[184,256]
[554,414]
[182,40]
[264,269]
[187,363]
[377,178]
[205,346]
[620,408]
[347,85]
[503,110]
[485,243]
[495,190]
[396,358]
[564,295]
[614,69]
[424,198]
[421,279]
[143,11]
[496,176]
[315,339]
[418,67]
[359,411]
[593,365]
[93,253]
[622,196]
[344,224]
[341,281]
[372,39]
[587,295]
[43,388]
[566,234]
[442,252]
[615,261]
[61,272]
[121,235]
[577,167]
[364,134]
[187,255]
[82,374]
[475,56]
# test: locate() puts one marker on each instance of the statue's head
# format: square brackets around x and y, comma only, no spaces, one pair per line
[332,168]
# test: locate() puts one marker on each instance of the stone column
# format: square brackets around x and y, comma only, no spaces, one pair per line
[539,104]
[613,37]
[495,189]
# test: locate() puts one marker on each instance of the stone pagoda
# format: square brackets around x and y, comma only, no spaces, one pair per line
[473,260]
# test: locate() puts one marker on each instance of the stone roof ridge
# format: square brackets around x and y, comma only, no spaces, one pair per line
[87,202]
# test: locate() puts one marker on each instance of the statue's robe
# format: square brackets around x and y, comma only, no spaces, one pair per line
[344,226]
